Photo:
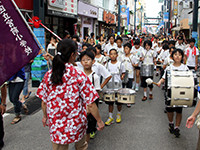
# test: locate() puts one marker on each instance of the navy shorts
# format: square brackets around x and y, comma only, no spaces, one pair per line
[174,109]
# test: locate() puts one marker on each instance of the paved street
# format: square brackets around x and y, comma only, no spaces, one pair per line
[144,126]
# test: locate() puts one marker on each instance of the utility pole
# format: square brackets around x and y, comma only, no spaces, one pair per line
[169,16]
[135,17]
[195,21]
[141,9]
[164,11]
[118,33]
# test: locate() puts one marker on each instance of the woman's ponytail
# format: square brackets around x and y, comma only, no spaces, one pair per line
[65,48]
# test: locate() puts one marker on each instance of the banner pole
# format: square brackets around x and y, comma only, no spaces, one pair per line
[28,26]
[42,49]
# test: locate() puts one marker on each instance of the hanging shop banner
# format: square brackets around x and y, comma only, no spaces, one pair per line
[166,16]
[17,44]
[127,14]
[123,11]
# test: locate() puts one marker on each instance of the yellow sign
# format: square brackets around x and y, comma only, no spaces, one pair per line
[175,7]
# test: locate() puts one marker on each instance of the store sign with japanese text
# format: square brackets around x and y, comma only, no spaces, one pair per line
[87,10]
[108,18]
[64,8]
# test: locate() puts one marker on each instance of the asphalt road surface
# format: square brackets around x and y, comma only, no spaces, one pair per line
[144,126]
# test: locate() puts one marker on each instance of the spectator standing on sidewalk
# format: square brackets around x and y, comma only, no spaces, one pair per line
[65,93]
[26,93]
[16,84]
[2,110]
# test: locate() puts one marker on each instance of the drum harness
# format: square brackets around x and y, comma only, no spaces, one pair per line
[126,63]
[151,54]
[100,61]
[114,73]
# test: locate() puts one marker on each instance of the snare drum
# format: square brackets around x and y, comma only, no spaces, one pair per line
[109,95]
[126,96]
[147,70]
[181,88]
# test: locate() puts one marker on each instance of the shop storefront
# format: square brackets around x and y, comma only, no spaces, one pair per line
[107,25]
[61,17]
[87,14]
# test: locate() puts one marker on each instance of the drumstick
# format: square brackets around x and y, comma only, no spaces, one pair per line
[150,81]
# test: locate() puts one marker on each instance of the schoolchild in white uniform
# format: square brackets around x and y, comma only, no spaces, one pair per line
[110,45]
[120,48]
[192,54]
[99,69]
[99,57]
[87,59]
[177,56]
[130,61]
[118,68]
[159,51]
[169,60]
[136,50]
[147,56]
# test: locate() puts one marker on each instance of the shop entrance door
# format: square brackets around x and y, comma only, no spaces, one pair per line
[85,31]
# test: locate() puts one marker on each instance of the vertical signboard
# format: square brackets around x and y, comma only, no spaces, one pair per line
[176,7]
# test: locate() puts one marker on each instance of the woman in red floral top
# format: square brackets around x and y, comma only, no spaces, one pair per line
[65,93]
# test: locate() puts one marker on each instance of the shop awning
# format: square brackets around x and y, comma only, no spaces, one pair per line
[176,28]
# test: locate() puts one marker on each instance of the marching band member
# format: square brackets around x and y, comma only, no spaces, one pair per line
[87,60]
[136,50]
[112,67]
[177,56]
[169,60]
[192,54]
[147,56]
[110,45]
[158,51]
[120,48]
[130,61]
[99,57]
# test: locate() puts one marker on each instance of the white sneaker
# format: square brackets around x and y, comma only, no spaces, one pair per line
[133,87]
[136,88]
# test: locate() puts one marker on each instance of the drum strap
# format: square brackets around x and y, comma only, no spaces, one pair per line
[100,60]
[147,56]
[93,78]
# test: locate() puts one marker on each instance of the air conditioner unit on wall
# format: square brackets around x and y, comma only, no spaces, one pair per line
[186,4]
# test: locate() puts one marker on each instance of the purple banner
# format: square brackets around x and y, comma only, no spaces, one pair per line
[17,44]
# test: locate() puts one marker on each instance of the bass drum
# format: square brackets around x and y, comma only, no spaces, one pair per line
[181,88]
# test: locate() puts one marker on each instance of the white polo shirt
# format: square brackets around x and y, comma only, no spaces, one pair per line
[99,69]
[182,46]
[191,58]
[108,47]
[148,56]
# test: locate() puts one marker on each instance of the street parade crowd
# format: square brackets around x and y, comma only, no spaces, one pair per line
[84,71]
